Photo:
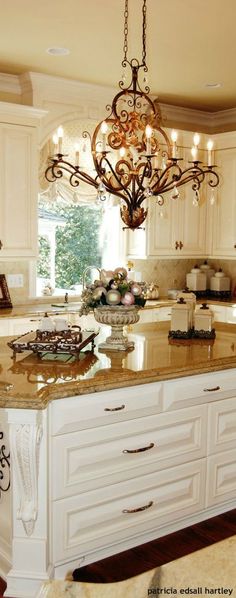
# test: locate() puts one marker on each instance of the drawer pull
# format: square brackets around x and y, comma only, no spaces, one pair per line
[114,408]
[139,450]
[139,508]
[211,389]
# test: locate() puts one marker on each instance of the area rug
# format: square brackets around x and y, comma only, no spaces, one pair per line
[207,572]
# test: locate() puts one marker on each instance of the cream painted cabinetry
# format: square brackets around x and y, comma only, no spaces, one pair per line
[224,209]
[98,473]
[18,180]
[156,447]
[176,229]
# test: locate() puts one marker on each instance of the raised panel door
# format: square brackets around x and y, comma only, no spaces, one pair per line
[18,191]
[224,212]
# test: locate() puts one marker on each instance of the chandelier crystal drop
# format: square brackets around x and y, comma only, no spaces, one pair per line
[132,155]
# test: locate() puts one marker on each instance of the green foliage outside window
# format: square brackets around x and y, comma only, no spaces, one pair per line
[44,253]
[77,242]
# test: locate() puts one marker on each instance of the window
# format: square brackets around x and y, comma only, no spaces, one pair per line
[75,229]
[72,237]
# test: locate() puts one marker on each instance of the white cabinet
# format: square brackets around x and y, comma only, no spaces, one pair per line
[224,210]
[18,181]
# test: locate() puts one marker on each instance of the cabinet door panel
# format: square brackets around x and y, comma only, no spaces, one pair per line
[99,518]
[224,229]
[221,478]
[18,224]
[93,458]
[163,227]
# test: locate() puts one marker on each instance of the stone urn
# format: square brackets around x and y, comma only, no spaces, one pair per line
[117,316]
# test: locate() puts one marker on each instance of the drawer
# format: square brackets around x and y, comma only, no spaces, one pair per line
[201,389]
[101,408]
[99,519]
[90,459]
[221,478]
[222,426]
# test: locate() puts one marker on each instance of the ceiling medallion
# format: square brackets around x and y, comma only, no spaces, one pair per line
[132,155]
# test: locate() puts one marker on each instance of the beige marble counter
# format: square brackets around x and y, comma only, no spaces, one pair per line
[29,382]
[57,306]
[207,572]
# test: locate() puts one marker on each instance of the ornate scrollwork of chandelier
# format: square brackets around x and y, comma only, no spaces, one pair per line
[132,155]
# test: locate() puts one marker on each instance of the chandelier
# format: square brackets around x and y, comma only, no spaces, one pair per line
[132,155]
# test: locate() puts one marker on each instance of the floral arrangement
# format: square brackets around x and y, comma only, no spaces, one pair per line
[113,289]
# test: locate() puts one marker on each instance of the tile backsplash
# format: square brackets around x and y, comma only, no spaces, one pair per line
[167,273]
[171,274]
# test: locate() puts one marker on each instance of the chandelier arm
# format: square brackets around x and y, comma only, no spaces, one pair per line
[126,195]
[59,165]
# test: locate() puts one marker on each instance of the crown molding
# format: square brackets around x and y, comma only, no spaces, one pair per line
[10,84]
[190,119]
[40,90]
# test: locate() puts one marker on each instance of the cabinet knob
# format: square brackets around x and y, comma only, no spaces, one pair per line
[176,244]
[181,244]
[0,244]
[234,245]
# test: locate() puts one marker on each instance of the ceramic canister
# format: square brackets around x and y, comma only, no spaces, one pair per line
[181,316]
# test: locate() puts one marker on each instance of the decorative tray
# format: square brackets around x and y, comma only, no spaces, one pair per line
[70,341]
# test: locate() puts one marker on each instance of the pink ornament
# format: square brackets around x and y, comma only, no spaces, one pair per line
[136,290]
[113,297]
[128,299]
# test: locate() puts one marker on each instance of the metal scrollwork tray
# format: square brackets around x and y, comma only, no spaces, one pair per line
[70,341]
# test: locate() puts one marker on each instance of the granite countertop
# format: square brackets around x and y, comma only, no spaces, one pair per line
[54,306]
[31,383]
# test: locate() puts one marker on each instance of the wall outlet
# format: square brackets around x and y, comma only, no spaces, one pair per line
[15,281]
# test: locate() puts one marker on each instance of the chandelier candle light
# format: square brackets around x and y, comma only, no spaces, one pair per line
[132,155]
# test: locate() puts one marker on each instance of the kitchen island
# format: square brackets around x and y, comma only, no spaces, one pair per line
[113,449]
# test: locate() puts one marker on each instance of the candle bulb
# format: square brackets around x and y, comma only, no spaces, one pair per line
[122,152]
[194,153]
[76,154]
[155,161]
[60,136]
[209,152]
[196,141]
[104,131]
[148,132]
[174,137]
[55,143]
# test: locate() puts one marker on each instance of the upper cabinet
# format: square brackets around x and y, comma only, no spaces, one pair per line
[224,209]
[178,228]
[18,180]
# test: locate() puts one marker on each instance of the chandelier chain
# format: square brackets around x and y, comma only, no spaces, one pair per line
[126,30]
[144,10]
[126,14]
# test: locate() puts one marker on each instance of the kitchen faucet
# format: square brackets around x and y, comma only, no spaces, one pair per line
[87,270]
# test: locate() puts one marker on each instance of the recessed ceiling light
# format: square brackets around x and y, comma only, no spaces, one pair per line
[58,51]
[213,85]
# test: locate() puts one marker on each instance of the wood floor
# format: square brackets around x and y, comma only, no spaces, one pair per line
[156,553]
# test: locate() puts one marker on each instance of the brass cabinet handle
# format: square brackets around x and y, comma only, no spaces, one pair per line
[35,320]
[139,508]
[181,244]
[176,244]
[114,408]
[0,244]
[139,450]
[211,389]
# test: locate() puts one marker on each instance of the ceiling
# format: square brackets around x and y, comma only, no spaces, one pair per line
[189,44]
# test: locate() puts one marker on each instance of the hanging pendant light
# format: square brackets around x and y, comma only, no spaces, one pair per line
[133,156]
